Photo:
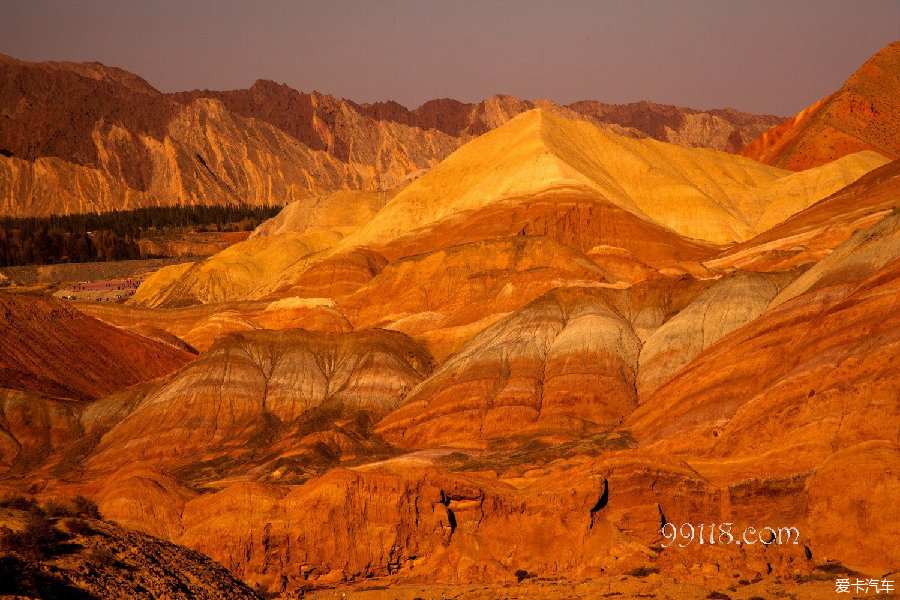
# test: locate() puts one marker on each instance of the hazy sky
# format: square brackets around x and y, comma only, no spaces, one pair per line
[759,56]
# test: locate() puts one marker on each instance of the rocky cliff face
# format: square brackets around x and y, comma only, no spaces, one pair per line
[724,129]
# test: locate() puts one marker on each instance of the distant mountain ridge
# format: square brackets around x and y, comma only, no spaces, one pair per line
[84,137]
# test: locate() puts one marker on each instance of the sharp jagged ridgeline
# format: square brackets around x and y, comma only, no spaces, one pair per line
[487,350]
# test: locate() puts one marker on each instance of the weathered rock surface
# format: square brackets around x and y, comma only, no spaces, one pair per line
[857,259]
[98,560]
[815,372]
[32,427]
[387,150]
[276,401]
[563,366]
[418,524]
[49,348]
[207,156]
[728,304]
[863,115]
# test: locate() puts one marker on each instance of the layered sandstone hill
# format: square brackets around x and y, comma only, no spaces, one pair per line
[804,394]
[632,205]
[863,115]
[565,365]
[200,325]
[810,235]
[83,137]
[49,348]
[248,270]
[857,259]
[287,403]
[697,193]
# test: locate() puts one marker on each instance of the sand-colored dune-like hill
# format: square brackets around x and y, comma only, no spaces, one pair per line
[697,193]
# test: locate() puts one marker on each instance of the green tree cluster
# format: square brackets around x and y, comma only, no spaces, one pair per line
[114,235]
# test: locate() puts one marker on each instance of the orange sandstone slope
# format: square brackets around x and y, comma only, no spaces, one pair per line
[863,115]
[48,347]
[810,235]
[803,398]
[55,360]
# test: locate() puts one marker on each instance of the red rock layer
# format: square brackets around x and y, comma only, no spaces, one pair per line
[863,115]
[48,347]
[581,222]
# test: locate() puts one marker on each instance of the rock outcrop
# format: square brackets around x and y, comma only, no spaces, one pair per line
[280,403]
[565,366]
[86,558]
